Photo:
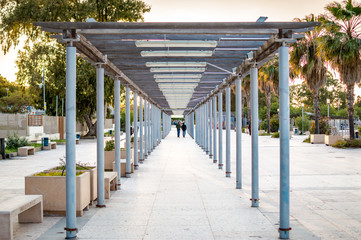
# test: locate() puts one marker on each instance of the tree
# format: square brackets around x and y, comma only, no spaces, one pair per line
[309,65]
[17,19]
[268,77]
[246,92]
[16,102]
[341,45]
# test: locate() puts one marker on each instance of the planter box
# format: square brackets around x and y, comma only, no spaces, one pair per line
[53,189]
[109,157]
[123,166]
[317,138]
[332,139]
[123,154]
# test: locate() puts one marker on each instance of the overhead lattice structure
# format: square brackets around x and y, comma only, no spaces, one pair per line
[177,65]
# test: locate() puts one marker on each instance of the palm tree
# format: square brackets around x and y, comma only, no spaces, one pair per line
[341,45]
[309,65]
[266,86]
[246,92]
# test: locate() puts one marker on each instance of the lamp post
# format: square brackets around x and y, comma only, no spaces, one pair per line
[302,116]
[328,108]
[42,85]
[7,92]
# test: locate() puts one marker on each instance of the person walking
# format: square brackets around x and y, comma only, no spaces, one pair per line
[178,128]
[184,129]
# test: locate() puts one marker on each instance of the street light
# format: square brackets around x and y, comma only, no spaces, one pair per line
[328,108]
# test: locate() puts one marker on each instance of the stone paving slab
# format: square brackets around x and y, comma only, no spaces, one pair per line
[178,193]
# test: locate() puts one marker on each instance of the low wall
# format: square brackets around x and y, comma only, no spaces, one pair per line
[13,123]
[50,124]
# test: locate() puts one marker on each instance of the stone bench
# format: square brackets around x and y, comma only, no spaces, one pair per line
[51,145]
[25,151]
[110,183]
[28,209]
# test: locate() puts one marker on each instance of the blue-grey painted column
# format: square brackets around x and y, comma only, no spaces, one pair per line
[145,129]
[141,136]
[228,131]
[254,131]
[210,129]
[100,136]
[127,131]
[206,126]
[117,129]
[163,125]
[135,132]
[215,157]
[70,142]
[192,124]
[284,143]
[220,129]
[149,129]
[239,133]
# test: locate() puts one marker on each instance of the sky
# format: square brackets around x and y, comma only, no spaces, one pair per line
[207,11]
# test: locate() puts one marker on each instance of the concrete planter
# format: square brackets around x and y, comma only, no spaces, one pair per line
[332,139]
[109,157]
[53,189]
[317,138]
[123,166]
[123,154]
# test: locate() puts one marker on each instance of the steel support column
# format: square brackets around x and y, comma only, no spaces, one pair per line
[135,121]
[228,131]
[284,143]
[210,129]
[117,129]
[100,136]
[71,229]
[145,129]
[141,136]
[220,129]
[239,133]
[149,130]
[127,131]
[215,129]
[254,131]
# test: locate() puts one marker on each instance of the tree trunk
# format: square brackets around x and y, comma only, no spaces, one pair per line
[91,126]
[268,104]
[248,99]
[316,103]
[350,108]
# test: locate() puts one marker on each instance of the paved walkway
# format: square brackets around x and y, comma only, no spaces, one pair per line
[178,193]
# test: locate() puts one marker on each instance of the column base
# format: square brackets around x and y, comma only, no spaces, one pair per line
[255,202]
[100,206]
[214,160]
[136,167]
[228,174]
[284,233]
[210,155]
[119,186]
[238,186]
[141,161]
[128,175]
[220,166]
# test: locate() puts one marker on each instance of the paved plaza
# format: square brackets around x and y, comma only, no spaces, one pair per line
[179,193]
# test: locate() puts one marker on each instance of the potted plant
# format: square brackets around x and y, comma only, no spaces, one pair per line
[109,155]
[52,185]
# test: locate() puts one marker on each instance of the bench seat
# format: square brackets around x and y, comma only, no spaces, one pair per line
[28,208]
[25,151]
[51,145]
[110,183]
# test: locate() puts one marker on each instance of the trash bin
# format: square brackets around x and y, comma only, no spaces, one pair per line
[78,136]
[2,147]
[357,135]
[110,132]
[45,141]
[296,130]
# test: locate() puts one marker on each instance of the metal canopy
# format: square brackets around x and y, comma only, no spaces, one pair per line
[222,46]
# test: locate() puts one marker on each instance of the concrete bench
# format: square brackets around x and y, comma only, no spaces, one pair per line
[110,183]
[51,145]
[25,151]
[28,209]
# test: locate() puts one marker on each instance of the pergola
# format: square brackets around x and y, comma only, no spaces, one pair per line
[178,68]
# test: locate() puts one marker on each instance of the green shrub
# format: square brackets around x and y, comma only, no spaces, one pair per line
[323,126]
[109,145]
[15,141]
[264,125]
[274,123]
[339,144]
[265,134]
[59,140]
[307,140]
[56,173]
[306,123]
[243,130]
[359,129]
[355,143]
[275,135]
